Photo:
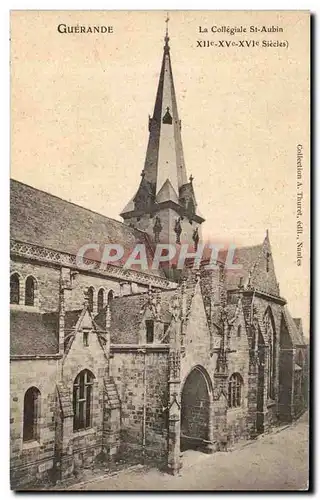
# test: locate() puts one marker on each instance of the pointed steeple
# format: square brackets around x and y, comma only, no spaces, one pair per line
[164,159]
[164,178]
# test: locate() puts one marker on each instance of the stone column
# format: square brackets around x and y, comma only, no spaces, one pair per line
[61,320]
[174,400]
[65,284]
[210,446]
[67,461]
[111,419]
[174,459]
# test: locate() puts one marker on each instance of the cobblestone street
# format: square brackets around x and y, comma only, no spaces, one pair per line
[278,461]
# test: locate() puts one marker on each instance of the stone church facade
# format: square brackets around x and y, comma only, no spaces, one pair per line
[110,363]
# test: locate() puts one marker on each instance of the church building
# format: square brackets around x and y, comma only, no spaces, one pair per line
[110,363]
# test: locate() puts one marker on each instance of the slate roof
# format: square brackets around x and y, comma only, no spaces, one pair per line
[65,400]
[33,333]
[246,256]
[112,393]
[253,264]
[126,317]
[43,219]
[298,323]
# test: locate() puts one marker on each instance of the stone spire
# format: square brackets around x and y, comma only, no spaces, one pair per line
[164,182]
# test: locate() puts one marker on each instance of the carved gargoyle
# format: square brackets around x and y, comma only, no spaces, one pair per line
[176,308]
[157,228]
[195,237]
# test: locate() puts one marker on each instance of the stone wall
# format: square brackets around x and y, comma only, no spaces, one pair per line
[47,282]
[32,461]
[60,450]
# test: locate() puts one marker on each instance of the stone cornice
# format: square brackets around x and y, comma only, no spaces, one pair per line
[114,348]
[34,357]
[46,255]
[156,207]
[139,348]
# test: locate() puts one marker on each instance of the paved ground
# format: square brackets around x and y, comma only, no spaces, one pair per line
[278,461]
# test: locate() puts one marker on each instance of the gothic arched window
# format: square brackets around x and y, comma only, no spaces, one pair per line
[82,400]
[31,414]
[14,289]
[235,390]
[101,299]
[30,291]
[90,298]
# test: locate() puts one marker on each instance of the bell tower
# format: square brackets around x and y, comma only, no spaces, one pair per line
[164,205]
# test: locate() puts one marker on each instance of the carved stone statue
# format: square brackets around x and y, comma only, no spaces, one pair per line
[157,228]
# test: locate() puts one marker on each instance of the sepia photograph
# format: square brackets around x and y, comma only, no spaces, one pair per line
[159,250]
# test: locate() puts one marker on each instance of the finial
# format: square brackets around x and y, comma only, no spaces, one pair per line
[143,174]
[191,178]
[166,38]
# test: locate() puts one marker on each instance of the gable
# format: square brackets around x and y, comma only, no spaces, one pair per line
[294,333]
[238,332]
[85,346]
[197,334]
[129,313]
[263,276]
[33,333]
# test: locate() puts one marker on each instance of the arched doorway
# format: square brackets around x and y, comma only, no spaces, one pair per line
[196,405]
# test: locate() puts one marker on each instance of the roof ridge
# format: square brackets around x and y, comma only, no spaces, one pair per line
[250,246]
[76,205]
